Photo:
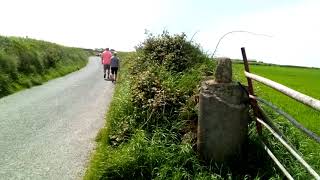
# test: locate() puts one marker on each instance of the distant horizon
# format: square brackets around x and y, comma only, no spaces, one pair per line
[133,50]
[291,25]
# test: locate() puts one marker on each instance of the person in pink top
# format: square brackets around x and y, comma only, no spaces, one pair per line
[106,60]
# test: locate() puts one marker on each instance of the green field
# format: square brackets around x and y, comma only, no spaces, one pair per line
[305,80]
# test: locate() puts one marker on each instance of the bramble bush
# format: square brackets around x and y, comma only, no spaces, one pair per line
[156,100]
[159,84]
[173,52]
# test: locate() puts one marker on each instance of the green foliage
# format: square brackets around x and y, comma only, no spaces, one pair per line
[155,98]
[149,158]
[151,124]
[175,53]
[161,76]
[8,72]
[27,62]
[143,137]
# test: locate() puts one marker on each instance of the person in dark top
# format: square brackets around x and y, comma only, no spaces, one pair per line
[115,65]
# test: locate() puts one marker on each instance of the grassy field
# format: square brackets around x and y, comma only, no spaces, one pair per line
[305,80]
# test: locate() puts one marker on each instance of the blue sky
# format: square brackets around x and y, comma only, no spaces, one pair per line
[120,24]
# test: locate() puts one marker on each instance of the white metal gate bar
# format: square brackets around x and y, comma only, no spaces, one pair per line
[307,100]
[268,121]
[291,150]
[278,163]
[290,118]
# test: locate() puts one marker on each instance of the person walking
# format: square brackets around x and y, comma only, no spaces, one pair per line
[105,60]
[115,65]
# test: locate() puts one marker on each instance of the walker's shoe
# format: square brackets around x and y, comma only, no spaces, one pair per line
[104,76]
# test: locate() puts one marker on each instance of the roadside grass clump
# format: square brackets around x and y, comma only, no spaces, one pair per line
[304,80]
[27,62]
[150,130]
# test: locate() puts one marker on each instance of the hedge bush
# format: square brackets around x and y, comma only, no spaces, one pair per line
[164,62]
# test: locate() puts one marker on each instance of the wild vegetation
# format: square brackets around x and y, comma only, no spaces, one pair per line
[151,123]
[27,62]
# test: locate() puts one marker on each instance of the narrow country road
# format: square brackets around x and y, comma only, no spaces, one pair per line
[47,132]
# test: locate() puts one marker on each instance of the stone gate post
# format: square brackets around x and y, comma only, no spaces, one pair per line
[223,116]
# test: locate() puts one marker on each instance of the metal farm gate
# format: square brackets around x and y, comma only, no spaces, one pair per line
[263,120]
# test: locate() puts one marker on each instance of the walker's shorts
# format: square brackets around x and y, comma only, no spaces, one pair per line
[114,70]
[106,67]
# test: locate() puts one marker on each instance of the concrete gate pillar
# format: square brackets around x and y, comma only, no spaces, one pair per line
[223,116]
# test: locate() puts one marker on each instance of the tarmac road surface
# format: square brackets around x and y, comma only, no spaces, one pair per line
[48,131]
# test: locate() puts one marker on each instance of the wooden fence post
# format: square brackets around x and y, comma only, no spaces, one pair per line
[253,102]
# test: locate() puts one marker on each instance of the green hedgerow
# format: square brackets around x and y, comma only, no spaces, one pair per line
[174,52]
[160,78]
[26,62]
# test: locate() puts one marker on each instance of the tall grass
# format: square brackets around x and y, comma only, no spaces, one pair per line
[27,62]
